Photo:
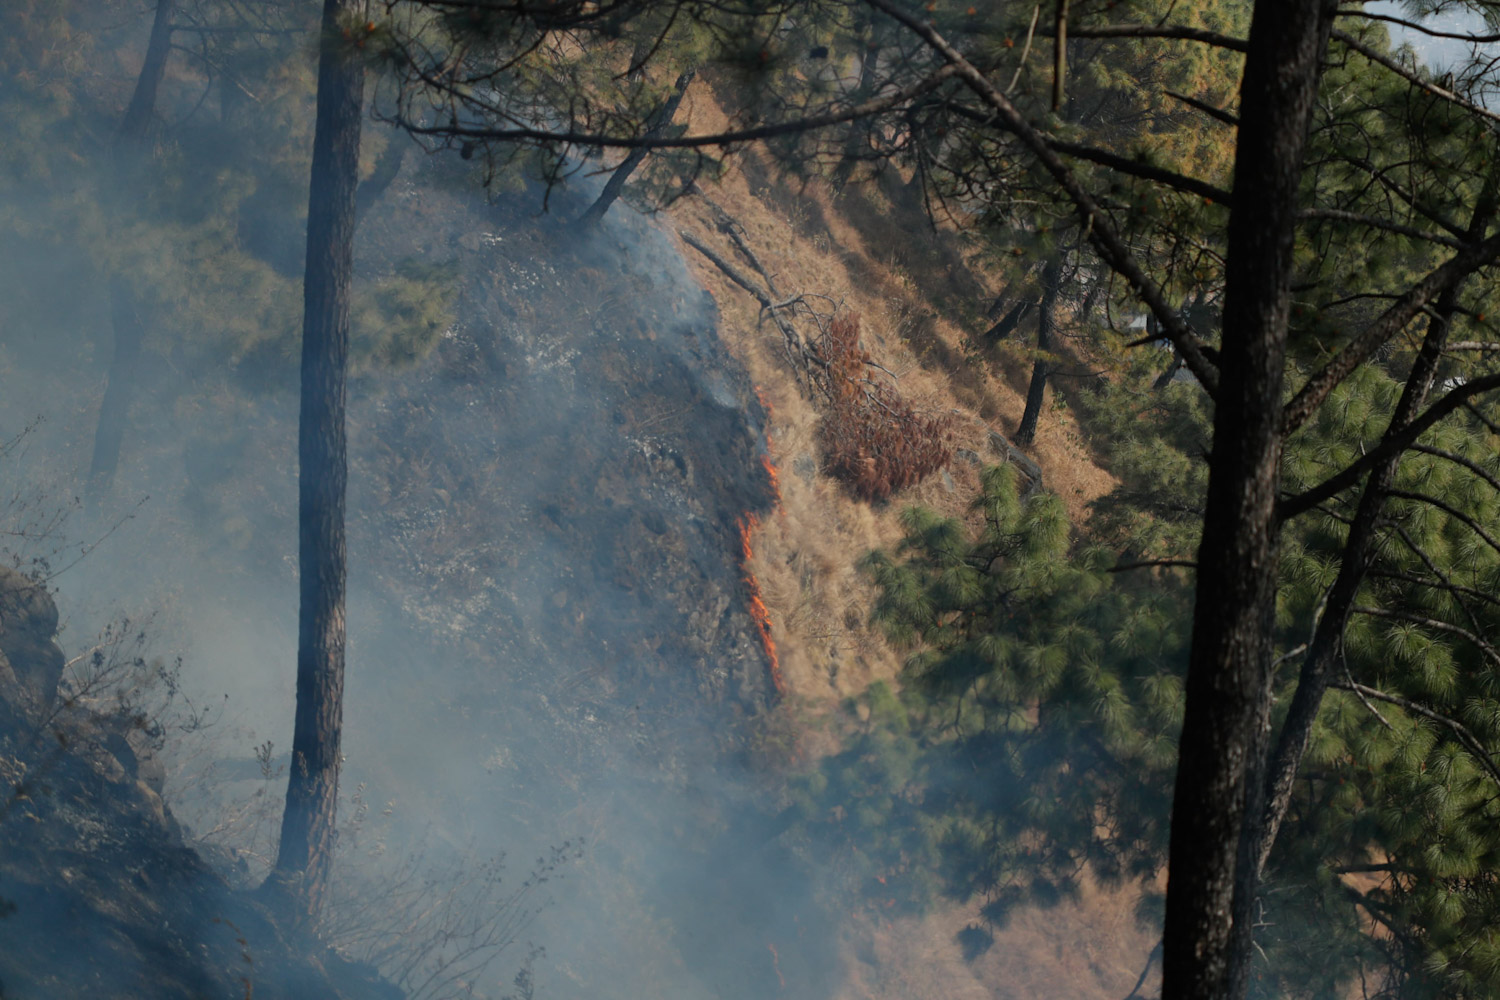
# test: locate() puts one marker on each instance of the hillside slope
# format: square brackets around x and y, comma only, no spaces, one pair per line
[867,256]
[100,895]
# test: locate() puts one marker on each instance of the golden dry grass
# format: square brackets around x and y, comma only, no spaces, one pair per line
[805,556]
[1083,949]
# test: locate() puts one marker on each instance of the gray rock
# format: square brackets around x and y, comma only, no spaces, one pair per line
[28,621]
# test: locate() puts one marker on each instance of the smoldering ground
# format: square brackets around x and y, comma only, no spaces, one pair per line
[548,641]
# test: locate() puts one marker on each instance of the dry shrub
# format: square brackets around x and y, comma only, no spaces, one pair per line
[872,438]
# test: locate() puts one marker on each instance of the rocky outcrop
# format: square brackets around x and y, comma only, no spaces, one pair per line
[31,664]
[99,894]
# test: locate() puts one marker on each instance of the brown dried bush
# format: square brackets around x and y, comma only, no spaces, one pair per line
[872,438]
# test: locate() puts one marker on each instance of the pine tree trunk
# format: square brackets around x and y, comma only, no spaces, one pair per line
[659,120]
[143,101]
[305,856]
[129,331]
[857,139]
[1008,323]
[124,307]
[1211,879]
[1165,378]
[1046,324]
[1326,648]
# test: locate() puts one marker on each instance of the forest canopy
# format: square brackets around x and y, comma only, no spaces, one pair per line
[1259,668]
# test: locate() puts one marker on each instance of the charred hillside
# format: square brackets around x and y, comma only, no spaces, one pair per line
[549,603]
[102,894]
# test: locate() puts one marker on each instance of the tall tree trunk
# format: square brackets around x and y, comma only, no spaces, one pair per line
[143,101]
[305,855]
[660,119]
[129,331]
[1046,325]
[127,154]
[857,138]
[1211,880]
[1326,650]
[1170,372]
[1060,57]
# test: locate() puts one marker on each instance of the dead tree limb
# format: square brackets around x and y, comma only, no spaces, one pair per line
[797,352]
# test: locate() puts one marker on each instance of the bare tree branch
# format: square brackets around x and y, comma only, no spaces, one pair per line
[516,133]
[1171,31]
[1391,322]
[1349,475]
[1412,77]
[1096,224]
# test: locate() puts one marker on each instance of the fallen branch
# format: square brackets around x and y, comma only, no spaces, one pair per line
[797,352]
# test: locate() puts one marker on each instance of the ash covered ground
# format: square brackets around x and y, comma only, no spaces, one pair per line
[548,643]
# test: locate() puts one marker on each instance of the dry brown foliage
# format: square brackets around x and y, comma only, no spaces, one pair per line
[872,439]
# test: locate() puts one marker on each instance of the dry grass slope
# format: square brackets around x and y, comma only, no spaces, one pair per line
[816,242]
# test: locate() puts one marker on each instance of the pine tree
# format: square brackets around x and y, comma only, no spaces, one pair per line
[305,854]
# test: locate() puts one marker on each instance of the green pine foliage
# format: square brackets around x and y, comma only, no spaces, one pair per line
[1035,738]
[207,229]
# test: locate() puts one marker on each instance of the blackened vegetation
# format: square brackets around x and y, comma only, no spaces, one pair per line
[101,895]
[545,516]
[579,440]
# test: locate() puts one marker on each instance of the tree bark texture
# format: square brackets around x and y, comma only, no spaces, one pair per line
[857,139]
[1007,323]
[1060,57]
[1046,326]
[143,101]
[128,151]
[1326,649]
[660,119]
[1211,884]
[307,831]
[129,331]
[1169,373]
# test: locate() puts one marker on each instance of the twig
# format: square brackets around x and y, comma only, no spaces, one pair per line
[1465,737]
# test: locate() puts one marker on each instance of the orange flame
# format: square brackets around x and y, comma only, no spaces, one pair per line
[772,475]
[758,612]
[765,460]
[749,523]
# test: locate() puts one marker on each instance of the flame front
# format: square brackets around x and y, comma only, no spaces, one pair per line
[748,524]
[771,474]
[765,460]
[758,612]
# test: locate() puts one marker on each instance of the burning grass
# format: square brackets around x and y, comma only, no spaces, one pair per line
[757,605]
[800,566]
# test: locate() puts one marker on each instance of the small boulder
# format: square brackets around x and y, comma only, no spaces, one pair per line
[25,607]
[28,621]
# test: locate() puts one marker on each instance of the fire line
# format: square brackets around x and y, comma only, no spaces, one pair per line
[757,606]
[748,523]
